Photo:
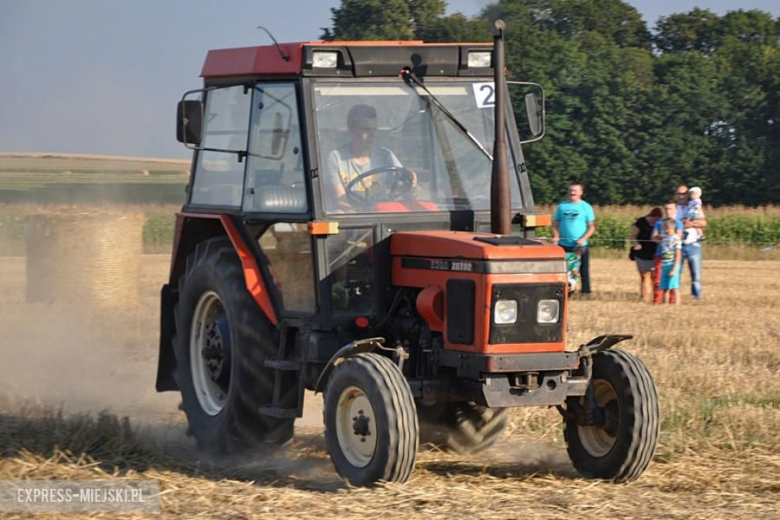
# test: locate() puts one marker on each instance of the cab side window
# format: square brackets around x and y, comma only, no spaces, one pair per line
[219,176]
[275,168]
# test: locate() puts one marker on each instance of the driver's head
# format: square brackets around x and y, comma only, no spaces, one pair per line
[361,123]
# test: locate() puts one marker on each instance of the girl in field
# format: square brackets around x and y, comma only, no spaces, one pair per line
[671,258]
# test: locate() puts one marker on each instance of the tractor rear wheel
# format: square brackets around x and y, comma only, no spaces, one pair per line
[620,448]
[370,421]
[222,340]
[462,427]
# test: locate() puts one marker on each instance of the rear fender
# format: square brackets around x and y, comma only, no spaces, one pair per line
[193,228]
[190,230]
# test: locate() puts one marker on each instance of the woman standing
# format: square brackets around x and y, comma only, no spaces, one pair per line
[643,251]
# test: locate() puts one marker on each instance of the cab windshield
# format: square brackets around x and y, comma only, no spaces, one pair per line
[386,147]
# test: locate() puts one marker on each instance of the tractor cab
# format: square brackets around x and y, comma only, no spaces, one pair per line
[327,150]
[359,222]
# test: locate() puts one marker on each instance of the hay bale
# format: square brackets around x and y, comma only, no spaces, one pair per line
[85,257]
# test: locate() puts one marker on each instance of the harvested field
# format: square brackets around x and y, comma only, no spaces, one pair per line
[77,397]
[715,363]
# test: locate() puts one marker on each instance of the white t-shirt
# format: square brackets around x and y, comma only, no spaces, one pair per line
[341,169]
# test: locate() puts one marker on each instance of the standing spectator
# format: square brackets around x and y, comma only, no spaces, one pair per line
[691,249]
[671,257]
[643,252]
[670,212]
[572,226]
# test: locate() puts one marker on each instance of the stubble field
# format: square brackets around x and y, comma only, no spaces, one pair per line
[715,362]
[77,401]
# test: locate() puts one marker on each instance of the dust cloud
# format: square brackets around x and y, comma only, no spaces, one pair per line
[76,354]
[73,352]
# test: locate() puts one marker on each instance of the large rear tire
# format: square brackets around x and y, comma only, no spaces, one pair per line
[222,340]
[370,421]
[622,447]
[462,427]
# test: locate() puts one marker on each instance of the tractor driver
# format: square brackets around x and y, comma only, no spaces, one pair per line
[359,156]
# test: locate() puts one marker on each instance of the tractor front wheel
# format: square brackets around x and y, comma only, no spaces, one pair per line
[370,421]
[620,439]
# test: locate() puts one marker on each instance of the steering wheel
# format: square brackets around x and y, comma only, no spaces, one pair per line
[401,184]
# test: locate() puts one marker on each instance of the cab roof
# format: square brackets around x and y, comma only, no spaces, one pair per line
[355,59]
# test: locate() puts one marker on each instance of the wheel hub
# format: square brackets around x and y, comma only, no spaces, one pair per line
[354,417]
[210,353]
[360,425]
[215,350]
[599,439]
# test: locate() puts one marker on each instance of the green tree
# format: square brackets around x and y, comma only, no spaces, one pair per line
[426,12]
[597,69]
[371,20]
[455,28]
[693,31]
[403,20]
[629,112]
[748,60]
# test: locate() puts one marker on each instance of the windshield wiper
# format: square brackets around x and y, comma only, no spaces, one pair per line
[410,76]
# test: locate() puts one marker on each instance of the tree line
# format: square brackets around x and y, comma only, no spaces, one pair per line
[631,111]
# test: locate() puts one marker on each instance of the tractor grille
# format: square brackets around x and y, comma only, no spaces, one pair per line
[526,329]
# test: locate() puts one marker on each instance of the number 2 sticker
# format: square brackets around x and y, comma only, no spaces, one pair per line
[485,94]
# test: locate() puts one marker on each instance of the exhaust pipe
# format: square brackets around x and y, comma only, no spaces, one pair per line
[500,196]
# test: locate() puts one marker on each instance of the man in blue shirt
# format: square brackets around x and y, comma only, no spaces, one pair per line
[573,224]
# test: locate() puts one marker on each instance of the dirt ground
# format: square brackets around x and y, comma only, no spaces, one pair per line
[715,362]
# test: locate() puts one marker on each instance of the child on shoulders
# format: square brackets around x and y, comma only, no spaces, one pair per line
[693,211]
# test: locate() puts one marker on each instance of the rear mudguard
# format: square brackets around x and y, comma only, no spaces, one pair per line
[191,229]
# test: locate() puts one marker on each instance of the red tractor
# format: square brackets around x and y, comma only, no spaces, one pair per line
[359,222]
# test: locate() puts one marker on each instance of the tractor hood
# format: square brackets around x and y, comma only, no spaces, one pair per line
[473,246]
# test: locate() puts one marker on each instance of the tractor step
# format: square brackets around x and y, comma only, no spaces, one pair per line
[278,411]
[284,364]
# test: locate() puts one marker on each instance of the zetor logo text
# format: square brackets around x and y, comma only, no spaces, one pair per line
[446,265]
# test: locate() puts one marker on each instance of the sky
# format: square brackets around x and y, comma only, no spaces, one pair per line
[104,76]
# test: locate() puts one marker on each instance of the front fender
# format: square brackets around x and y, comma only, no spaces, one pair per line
[353,348]
[602,342]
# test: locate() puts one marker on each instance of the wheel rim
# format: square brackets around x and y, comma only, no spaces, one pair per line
[210,353]
[356,427]
[599,440]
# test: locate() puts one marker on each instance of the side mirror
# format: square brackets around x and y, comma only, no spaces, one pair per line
[535,115]
[189,122]
[534,124]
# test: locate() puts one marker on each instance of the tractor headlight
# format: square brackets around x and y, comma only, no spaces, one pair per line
[547,311]
[505,312]
[479,60]
[325,60]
